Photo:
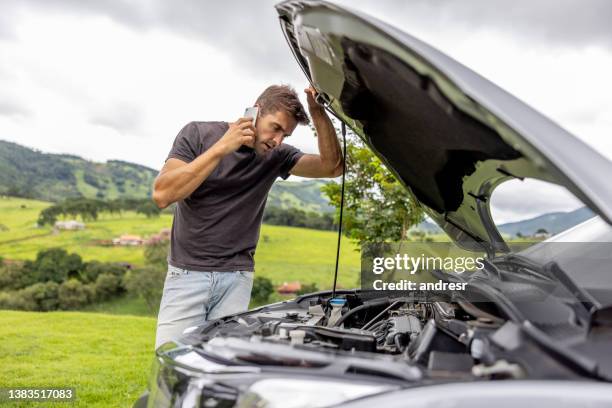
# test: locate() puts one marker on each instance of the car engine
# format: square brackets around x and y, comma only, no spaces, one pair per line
[447,340]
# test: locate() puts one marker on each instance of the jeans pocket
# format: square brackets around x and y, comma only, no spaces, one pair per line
[246,274]
[174,272]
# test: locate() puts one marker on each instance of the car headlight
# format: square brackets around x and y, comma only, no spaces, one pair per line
[304,393]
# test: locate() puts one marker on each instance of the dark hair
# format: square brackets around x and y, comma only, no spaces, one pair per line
[282,97]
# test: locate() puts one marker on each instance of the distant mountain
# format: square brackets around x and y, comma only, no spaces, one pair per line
[553,223]
[428,226]
[25,172]
[29,173]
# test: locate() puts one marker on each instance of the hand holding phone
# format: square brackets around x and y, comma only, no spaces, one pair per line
[252,112]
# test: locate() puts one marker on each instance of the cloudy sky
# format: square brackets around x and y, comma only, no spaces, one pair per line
[117,79]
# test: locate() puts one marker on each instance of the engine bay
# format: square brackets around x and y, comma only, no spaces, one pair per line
[444,340]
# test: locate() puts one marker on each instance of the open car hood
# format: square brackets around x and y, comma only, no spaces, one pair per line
[449,135]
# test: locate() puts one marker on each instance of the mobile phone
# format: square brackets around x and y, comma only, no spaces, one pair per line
[252,112]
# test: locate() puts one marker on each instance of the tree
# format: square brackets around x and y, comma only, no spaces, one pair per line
[72,294]
[40,296]
[53,264]
[156,254]
[146,282]
[107,285]
[262,289]
[12,277]
[149,209]
[377,207]
[93,269]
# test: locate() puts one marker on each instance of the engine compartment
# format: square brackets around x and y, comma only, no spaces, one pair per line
[445,340]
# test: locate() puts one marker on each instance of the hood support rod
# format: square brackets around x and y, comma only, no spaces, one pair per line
[341,207]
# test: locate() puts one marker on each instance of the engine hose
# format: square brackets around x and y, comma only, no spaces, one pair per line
[378,316]
[371,303]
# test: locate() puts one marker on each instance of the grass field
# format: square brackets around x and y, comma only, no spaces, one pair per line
[105,351]
[283,253]
[105,358]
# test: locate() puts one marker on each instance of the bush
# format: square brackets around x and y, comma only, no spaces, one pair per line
[308,288]
[262,289]
[12,300]
[93,269]
[149,209]
[53,264]
[147,283]
[107,285]
[40,296]
[13,277]
[156,255]
[294,217]
[73,294]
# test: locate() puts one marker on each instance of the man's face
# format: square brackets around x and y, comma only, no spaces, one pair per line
[271,129]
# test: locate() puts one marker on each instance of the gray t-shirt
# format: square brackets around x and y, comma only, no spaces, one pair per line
[216,228]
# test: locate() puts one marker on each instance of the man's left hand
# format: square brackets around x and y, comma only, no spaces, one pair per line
[311,95]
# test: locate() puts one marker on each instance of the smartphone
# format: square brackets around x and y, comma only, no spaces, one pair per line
[252,112]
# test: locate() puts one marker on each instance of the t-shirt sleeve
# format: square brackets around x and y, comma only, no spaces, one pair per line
[289,157]
[186,146]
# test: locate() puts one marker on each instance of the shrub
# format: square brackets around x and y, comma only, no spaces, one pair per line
[40,296]
[12,300]
[147,283]
[262,289]
[13,277]
[107,285]
[93,269]
[55,265]
[308,288]
[73,294]
[156,254]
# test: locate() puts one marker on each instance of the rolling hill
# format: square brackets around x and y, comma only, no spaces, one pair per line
[30,173]
[305,195]
[553,223]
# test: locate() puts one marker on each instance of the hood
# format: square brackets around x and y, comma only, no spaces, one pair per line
[449,135]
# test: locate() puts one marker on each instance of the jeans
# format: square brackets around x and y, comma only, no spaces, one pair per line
[191,298]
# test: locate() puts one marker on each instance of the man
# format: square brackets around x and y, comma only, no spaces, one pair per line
[219,174]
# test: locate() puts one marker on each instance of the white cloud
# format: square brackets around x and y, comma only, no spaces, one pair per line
[142,87]
[517,200]
[119,84]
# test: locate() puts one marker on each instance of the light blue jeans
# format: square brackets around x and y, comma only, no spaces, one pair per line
[191,298]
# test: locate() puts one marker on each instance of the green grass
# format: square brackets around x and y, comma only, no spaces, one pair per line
[105,358]
[124,305]
[283,253]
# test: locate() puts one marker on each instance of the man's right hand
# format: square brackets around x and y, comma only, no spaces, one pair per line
[239,133]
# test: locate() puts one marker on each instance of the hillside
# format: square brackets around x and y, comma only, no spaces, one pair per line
[553,223]
[312,252]
[305,195]
[25,172]
[29,173]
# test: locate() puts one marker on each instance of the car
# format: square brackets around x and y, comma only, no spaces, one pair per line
[539,333]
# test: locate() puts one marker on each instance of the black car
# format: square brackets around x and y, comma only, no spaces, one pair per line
[539,333]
